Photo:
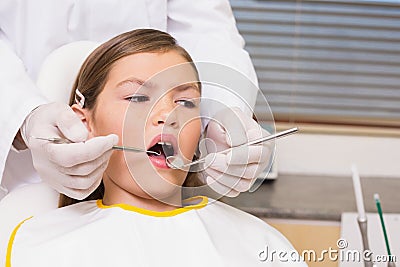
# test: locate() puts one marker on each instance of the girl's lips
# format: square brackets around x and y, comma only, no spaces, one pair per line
[160,161]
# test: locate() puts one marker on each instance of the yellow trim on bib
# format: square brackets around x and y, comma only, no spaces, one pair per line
[168,213]
[11,241]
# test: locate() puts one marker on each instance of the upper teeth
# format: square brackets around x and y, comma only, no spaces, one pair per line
[164,143]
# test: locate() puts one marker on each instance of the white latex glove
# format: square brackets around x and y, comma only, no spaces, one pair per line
[234,172]
[74,169]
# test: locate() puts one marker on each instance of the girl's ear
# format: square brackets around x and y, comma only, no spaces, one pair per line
[84,115]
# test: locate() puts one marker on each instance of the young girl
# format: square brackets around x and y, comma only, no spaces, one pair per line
[132,219]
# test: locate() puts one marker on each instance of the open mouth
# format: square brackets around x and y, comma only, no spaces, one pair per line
[163,149]
[163,146]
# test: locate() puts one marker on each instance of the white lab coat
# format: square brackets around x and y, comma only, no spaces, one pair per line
[202,234]
[30,30]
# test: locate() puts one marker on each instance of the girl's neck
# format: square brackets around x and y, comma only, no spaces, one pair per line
[114,194]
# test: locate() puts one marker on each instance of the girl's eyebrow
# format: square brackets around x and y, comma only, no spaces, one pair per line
[187,86]
[136,80]
[148,84]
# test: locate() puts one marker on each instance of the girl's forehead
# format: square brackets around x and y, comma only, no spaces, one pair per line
[153,70]
[146,65]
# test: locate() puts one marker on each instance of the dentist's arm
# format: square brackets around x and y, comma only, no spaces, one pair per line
[207,29]
[18,97]
[72,169]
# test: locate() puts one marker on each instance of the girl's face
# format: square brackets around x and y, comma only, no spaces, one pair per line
[159,114]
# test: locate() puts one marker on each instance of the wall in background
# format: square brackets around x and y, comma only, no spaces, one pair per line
[324,154]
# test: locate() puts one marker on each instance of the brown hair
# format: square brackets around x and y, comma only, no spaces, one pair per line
[93,75]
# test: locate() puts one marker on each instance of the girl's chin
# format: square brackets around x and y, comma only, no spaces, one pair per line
[169,195]
[158,180]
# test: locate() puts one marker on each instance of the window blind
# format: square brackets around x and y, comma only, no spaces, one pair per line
[335,62]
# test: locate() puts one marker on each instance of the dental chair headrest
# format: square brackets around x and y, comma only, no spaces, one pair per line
[60,68]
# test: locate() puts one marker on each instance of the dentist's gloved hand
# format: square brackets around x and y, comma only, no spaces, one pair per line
[234,172]
[74,169]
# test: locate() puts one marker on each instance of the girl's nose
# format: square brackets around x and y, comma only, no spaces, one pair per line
[164,113]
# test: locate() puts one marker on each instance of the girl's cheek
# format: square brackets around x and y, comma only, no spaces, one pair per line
[116,161]
[189,138]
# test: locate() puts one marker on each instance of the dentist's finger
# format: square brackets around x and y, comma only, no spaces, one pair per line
[68,155]
[220,188]
[233,182]
[80,194]
[86,168]
[247,155]
[233,125]
[221,164]
[70,125]
[85,182]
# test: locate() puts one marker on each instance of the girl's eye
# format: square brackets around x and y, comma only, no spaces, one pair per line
[186,103]
[138,98]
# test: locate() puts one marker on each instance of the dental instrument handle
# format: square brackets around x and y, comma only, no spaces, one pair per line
[59,140]
[133,149]
[261,140]
[270,137]
[378,206]
[362,223]
[264,139]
